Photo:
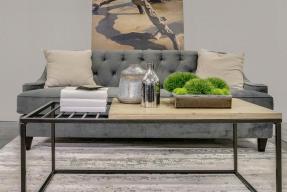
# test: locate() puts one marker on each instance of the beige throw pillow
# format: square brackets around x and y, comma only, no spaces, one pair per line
[228,66]
[68,68]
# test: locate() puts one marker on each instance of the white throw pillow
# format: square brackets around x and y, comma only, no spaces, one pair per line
[68,68]
[227,66]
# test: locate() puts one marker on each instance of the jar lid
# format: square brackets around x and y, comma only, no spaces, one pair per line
[133,69]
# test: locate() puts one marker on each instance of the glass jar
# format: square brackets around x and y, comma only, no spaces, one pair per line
[130,84]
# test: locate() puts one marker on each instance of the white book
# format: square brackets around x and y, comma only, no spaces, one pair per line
[83,109]
[66,102]
[73,93]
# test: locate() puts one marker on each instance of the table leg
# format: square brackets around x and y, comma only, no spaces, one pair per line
[235,158]
[278,158]
[53,156]
[23,156]
[53,146]
[53,142]
[235,154]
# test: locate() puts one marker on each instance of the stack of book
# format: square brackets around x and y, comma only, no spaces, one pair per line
[74,100]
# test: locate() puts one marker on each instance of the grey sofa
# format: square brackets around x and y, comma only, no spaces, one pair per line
[107,67]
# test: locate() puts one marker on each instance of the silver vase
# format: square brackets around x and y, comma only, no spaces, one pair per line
[130,84]
[150,88]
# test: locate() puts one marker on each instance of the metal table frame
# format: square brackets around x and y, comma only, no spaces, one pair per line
[51,116]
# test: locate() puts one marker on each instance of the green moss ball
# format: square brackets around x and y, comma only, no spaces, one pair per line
[199,87]
[180,91]
[218,83]
[217,91]
[226,91]
[177,80]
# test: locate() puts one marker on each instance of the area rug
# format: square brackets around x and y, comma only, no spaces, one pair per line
[257,167]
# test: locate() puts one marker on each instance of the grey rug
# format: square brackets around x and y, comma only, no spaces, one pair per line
[257,167]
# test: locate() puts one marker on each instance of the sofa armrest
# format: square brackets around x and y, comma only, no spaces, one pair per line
[39,84]
[255,87]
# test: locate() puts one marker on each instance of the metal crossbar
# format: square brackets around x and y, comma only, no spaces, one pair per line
[59,115]
[50,112]
[53,117]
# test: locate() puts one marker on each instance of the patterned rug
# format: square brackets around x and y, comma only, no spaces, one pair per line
[257,167]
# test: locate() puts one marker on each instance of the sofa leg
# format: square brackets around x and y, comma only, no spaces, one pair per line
[29,143]
[261,143]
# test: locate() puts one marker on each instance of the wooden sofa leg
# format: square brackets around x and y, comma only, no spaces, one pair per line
[261,143]
[29,142]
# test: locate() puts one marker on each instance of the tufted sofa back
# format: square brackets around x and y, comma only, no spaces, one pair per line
[107,65]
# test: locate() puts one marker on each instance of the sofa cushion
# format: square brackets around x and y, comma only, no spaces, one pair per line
[227,66]
[108,65]
[63,66]
[31,100]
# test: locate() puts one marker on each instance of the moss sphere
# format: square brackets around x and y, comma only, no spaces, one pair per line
[180,91]
[217,91]
[226,91]
[218,83]
[177,80]
[199,87]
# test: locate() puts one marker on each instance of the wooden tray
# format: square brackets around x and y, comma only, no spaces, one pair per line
[202,101]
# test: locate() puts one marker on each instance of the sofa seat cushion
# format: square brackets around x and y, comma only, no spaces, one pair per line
[31,100]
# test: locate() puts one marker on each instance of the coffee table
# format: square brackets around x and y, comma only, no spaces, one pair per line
[241,112]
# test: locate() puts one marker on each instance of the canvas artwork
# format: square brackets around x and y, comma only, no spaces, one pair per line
[137,24]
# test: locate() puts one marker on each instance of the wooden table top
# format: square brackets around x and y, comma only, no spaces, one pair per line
[241,110]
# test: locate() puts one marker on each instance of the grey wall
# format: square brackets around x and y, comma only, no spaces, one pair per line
[28,26]
[256,27]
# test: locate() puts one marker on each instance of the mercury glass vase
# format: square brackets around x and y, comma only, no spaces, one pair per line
[131,84]
[150,88]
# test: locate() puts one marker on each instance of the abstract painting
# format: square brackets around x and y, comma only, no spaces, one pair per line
[137,24]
